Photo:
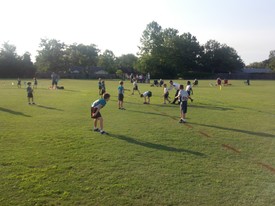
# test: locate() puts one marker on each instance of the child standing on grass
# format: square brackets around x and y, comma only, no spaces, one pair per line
[135,87]
[19,82]
[30,93]
[95,112]
[120,95]
[165,94]
[146,96]
[189,90]
[183,96]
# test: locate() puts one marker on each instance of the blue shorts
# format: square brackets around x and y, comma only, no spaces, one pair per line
[183,107]
[120,97]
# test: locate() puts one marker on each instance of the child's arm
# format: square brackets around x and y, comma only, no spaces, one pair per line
[98,109]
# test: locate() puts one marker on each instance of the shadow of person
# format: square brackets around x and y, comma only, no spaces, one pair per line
[155,146]
[13,112]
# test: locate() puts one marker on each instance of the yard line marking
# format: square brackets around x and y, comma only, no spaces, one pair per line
[266,166]
[230,148]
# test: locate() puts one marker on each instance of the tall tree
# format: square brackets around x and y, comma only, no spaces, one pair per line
[51,56]
[220,58]
[12,65]
[81,55]
[108,61]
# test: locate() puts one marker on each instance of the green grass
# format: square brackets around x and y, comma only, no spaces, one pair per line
[224,155]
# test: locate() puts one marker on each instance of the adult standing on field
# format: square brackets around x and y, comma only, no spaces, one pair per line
[54,80]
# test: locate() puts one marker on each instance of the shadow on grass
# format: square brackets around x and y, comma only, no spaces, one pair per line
[154,113]
[46,107]
[13,112]
[209,106]
[155,146]
[261,134]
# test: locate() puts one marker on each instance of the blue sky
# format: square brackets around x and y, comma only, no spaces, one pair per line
[117,25]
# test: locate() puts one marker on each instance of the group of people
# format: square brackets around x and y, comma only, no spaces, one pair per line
[181,96]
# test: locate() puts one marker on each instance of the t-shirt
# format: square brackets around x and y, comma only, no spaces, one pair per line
[29,90]
[120,89]
[98,103]
[147,93]
[175,85]
[165,90]
[188,88]
[183,95]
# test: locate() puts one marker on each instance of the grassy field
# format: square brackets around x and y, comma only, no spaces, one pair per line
[224,155]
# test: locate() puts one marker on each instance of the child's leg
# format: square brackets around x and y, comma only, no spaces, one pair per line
[101,123]
[29,100]
[95,123]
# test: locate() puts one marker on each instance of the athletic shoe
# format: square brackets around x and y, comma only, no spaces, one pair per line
[181,121]
[103,132]
[96,130]
[122,108]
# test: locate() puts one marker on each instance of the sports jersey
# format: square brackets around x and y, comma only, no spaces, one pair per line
[188,88]
[147,93]
[183,95]
[97,103]
[120,89]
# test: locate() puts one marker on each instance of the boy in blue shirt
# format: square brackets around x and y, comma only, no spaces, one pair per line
[96,106]
[120,95]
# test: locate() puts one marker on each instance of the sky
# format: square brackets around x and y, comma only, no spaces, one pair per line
[117,25]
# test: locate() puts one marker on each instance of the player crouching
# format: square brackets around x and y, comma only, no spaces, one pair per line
[95,112]
[146,96]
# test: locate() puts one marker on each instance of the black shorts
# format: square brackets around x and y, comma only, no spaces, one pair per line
[30,95]
[166,95]
[120,97]
[183,106]
[135,88]
[93,110]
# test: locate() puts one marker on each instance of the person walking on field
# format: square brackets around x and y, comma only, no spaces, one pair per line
[183,97]
[96,106]
[176,87]
[165,94]
[135,87]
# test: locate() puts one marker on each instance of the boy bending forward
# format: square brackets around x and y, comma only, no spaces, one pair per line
[95,112]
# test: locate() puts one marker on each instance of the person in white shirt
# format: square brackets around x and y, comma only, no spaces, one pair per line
[146,96]
[135,87]
[183,97]
[189,89]
[176,87]
[165,94]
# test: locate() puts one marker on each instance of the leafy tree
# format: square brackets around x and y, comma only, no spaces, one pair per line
[127,62]
[220,58]
[272,54]
[51,56]
[81,55]
[108,61]
[188,53]
[12,65]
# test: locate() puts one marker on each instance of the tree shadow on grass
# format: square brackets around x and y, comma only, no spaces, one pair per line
[46,107]
[13,112]
[155,146]
[261,134]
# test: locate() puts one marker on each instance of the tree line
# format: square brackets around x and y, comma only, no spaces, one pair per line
[162,52]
